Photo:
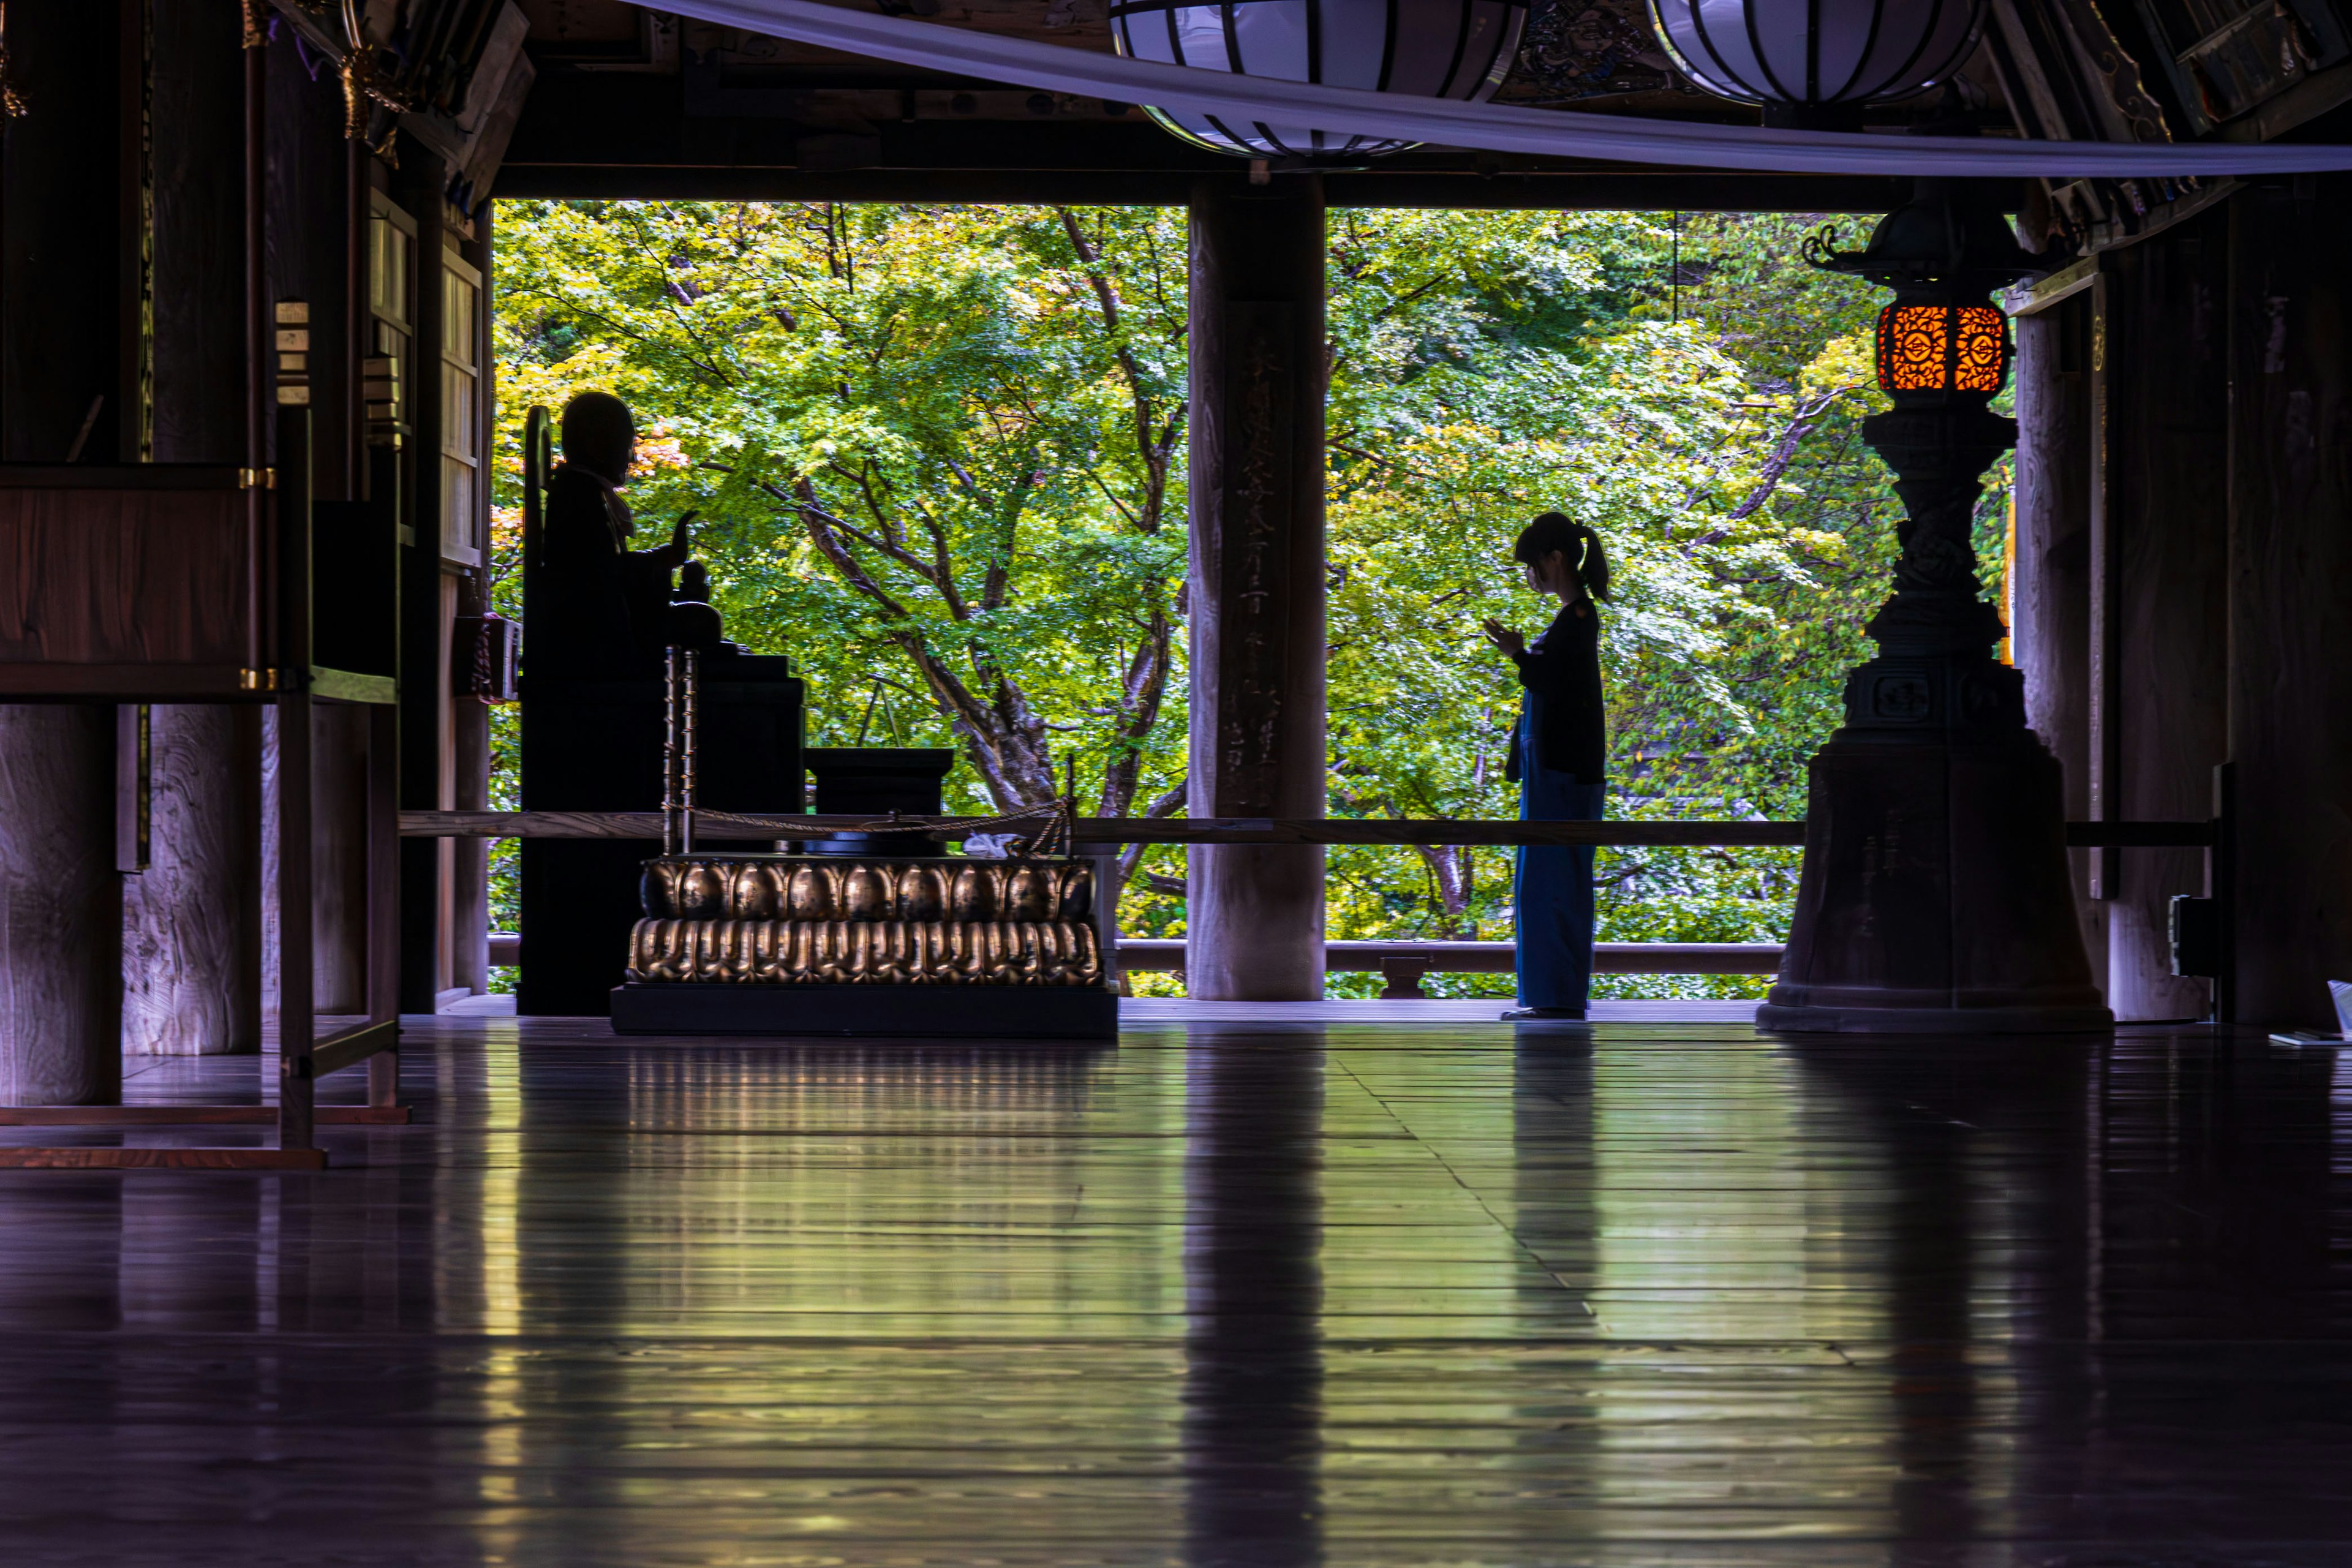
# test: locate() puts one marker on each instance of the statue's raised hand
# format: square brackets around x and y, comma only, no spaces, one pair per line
[674,554]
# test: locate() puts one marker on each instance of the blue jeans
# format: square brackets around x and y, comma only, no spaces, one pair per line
[1552,893]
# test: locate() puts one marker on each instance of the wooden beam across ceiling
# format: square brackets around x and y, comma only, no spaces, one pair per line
[632,104]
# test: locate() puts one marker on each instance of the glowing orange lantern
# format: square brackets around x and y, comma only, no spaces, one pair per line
[1928,350]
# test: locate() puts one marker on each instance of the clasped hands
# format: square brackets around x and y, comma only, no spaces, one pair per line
[1503,638]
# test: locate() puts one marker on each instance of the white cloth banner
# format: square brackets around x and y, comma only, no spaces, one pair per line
[1487,127]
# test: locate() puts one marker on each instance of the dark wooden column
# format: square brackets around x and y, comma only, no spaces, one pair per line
[424,649]
[1255,914]
[310,176]
[2049,634]
[66,382]
[60,908]
[2167,395]
[469,858]
[2290,595]
[192,921]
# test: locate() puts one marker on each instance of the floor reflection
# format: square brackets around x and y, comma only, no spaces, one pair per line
[1226,1295]
[801,1271]
[1252,1434]
[1980,1155]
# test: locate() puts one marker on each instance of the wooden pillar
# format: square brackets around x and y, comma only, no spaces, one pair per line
[1256,913]
[2290,575]
[2168,506]
[469,937]
[192,921]
[2050,637]
[68,377]
[310,173]
[60,908]
[423,587]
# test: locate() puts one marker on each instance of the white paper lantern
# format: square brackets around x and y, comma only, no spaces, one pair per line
[1458,49]
[1810,54]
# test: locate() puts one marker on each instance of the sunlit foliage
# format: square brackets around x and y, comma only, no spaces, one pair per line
[938,455]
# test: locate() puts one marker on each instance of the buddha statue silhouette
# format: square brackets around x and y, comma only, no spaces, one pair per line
[607,612]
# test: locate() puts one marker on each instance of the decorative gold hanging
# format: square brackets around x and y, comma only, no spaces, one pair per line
[366,85]
[12,107]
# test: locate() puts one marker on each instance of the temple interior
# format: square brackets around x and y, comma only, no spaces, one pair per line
[764,1162]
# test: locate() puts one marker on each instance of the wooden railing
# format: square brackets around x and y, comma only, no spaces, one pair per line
[1401,964]
[2193,834]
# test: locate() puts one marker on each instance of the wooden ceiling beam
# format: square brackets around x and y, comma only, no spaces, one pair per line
[1630,190]
[619,137]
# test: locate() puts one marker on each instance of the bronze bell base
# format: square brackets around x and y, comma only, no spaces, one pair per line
[865,947]
[1936,896]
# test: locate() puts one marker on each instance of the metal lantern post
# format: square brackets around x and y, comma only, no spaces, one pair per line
[1935,895]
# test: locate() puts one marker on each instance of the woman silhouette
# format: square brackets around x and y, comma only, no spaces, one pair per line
[1558,754]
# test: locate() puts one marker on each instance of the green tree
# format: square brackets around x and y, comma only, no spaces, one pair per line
[938,452]
[935,449]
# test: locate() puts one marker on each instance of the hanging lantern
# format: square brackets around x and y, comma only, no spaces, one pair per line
[1457,49]
[1929,348]
[1806,61]
[1941,252]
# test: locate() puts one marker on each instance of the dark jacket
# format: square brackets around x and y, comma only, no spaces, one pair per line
[1561,704]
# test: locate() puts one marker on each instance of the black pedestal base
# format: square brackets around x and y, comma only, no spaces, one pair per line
[994,1012]
[596,745]
[1937,898]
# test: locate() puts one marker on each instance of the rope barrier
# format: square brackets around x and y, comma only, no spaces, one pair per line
[1058,815]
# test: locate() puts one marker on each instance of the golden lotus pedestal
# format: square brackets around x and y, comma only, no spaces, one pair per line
[834,945]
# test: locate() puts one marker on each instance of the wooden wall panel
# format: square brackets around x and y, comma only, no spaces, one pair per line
[199,305]
[2168,506]
[61,250]
[309,206]
[2050,639]
[122,576]
[339,856]
[2290,595]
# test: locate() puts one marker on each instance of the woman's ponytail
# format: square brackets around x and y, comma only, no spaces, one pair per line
[1592,571]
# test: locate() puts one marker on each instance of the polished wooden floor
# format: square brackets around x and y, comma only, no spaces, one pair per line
[1245,1291]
